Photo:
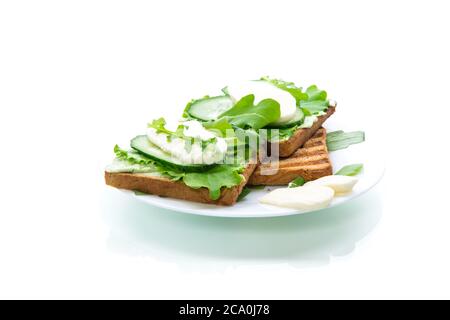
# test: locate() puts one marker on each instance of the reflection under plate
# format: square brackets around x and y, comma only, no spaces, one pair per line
[202,242]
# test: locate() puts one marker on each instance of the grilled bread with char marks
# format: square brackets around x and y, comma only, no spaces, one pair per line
[310,162]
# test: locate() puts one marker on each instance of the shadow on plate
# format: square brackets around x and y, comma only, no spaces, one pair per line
[189,240]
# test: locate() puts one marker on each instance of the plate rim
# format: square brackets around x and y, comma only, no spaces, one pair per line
[208,210]
[288,212]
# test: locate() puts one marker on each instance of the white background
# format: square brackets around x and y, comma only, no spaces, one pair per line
[77,77]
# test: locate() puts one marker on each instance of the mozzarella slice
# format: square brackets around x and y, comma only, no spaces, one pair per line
[264,90]
[340,184]
[301,198]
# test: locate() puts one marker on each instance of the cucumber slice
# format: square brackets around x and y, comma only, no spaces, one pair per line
[144,146]
[210,108]
[297,120]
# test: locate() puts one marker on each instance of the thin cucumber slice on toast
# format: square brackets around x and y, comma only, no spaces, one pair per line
[297,120]
[144,146]
[209,108]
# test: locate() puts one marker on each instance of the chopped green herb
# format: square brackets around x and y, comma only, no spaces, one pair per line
[188,146]
[206,143]
[160,126]
[350,170]
[245,192]
[338,140]
[298,182]
[257,187]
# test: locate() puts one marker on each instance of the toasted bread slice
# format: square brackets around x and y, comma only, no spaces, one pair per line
[165,187]
[310,162]
[288,147]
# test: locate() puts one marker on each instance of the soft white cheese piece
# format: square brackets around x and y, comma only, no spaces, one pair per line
[340,184]
[195,154]
[264,90]
[195,129]
[306,198]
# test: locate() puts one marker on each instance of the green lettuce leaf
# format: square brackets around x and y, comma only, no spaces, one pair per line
[220,127]
[315,94]
[314,107]
[290,87]
[120,165]
[160,126]
[316,101]
[134,162]
[244,114]
[276,135]
[132,156]
[224,129]
[312,101]
[215,179]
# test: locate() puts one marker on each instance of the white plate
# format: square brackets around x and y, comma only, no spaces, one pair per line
[366,153]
